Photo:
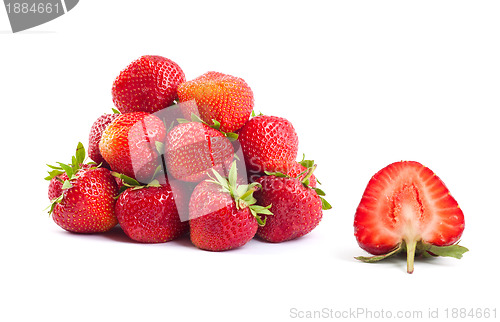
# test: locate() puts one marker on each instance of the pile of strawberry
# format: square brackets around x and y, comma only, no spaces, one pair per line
[181,156]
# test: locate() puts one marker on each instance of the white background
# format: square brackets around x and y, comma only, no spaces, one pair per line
[365,83]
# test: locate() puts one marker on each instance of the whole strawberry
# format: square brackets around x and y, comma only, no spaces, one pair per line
[223,214]
[216,96]
[193,149]
[148,214]
[297,208]
[87,199]
[129,145]
[268,143]
[95,137]
[148,84]
[407,208]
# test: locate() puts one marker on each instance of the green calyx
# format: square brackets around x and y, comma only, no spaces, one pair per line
[418,248]
[254,114]
[215,125]
[310,168]
[307,164]
[131,183]
[242,194]
[71,170]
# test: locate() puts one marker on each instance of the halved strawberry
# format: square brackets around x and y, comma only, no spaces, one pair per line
[407,207]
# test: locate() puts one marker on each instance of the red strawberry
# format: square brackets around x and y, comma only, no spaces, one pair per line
[268,143]
[129,145]
[148,84]
[223,218]
[57,178]
[224,98]
[148,214]
[407,207]
[193,149]
[293,169]
[95,137]
[297,207]
[55,186]
[87,199]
